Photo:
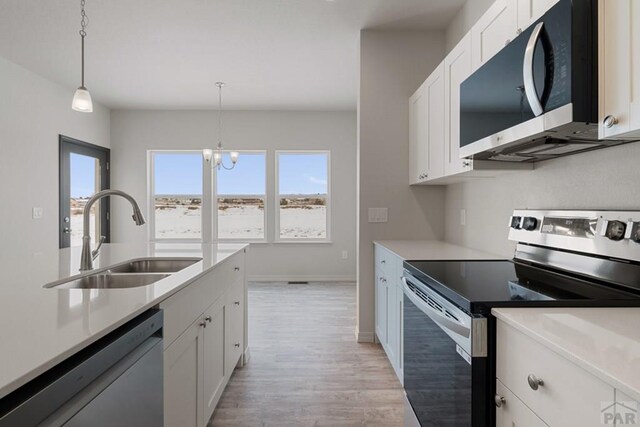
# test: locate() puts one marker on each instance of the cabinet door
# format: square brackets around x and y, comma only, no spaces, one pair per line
[512,412]
[183,379]
[530,10]
[493,31]
[213,358]
[457,67]
[435,131]
[234,315]
[418,136]
[381,308]
[619,62]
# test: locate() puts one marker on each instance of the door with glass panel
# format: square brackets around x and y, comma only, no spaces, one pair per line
[84,170]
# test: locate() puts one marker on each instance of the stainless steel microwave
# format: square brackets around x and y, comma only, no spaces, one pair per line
[538,97]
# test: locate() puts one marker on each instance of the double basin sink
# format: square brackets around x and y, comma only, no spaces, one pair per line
[129,274]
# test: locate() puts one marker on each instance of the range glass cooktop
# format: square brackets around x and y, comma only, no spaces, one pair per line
[476,286]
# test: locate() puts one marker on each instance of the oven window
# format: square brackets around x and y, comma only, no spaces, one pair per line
[437,379]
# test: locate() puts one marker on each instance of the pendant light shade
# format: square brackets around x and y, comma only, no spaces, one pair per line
[82,98]
[82,101]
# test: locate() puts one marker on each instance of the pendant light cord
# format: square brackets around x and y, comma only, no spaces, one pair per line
[219,84]
[83,34]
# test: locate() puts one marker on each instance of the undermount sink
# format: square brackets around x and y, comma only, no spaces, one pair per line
[129,274]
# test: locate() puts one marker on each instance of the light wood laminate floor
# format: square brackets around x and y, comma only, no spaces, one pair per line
[306,368]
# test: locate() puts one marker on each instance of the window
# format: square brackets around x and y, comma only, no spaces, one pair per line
[241,198]
[177,182]
[303,195]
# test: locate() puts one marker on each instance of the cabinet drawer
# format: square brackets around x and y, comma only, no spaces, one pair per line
[232,270]
[568,395]
[388,264]
[512,412]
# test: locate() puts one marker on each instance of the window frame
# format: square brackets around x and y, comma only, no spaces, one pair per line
[278,197]
[216,196]
[151,203]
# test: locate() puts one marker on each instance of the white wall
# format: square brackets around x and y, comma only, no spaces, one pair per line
[392,67]
[33,112]
[602,179]
[135,132]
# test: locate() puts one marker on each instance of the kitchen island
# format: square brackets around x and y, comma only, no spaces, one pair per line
[42,327]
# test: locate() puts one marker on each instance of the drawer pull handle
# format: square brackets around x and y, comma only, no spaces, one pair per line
[237,302]
[383,261]
[237,345]
[208,319]
[203,324]
[534,382]
[237,268]
[499,401]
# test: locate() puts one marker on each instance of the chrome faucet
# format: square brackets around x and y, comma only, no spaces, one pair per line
[87,257]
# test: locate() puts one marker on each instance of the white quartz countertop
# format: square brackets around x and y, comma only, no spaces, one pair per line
[414,250]
[41,327]
[603,341]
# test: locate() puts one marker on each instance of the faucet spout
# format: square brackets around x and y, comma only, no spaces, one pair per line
[87,256]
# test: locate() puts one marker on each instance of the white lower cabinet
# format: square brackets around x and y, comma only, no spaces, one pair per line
[511,412]
[199,360]
[388,304]
[557,391]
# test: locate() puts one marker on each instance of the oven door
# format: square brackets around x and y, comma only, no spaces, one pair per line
[444,384]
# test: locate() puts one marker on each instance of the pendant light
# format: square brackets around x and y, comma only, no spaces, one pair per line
[82,98]
[217,154]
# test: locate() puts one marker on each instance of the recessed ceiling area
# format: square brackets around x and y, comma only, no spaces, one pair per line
[167,54]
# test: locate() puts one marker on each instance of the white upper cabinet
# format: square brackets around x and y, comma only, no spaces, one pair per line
[493,31]
[619,62]
[418,136]
[457,67]
[426,129]
[530,10]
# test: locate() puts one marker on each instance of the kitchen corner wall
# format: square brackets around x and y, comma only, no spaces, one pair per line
[135,132]
[393,64]
[33,112]
[602,179]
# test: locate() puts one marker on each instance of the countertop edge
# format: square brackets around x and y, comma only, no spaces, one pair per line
[12,386]
[558,349]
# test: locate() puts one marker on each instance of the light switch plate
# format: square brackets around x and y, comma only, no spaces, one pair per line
[37,213]
[377,215]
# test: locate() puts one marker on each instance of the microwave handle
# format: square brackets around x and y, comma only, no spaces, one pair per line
[527,71]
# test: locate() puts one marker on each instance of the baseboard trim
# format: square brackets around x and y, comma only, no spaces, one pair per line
[305,278]
[363,337]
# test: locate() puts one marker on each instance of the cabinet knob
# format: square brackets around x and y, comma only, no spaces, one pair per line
[534,382]
[519,31]
[208,319]
[499,401]
[384,261]
[237,345]
[203,324]
[237,302]
[466,164]
[237,268]
[610,121]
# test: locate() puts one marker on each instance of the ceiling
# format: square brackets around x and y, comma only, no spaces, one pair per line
[167,54]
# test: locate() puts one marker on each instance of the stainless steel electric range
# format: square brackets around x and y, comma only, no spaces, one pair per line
[562,258]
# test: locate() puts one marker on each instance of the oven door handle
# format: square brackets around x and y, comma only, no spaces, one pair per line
[444,322]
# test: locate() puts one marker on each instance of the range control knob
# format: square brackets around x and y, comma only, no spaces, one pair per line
[615,230]
[529,223]
[516,222]
[633,231]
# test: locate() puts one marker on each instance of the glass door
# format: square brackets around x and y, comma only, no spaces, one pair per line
[84,170]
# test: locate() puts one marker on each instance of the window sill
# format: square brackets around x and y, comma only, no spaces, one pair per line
[303,242]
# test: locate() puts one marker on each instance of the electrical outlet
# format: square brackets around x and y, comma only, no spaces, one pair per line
[463,217]
[37,213]
[378,215]
[345,255]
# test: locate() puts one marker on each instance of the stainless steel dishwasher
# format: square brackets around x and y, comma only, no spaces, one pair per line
[116,381]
